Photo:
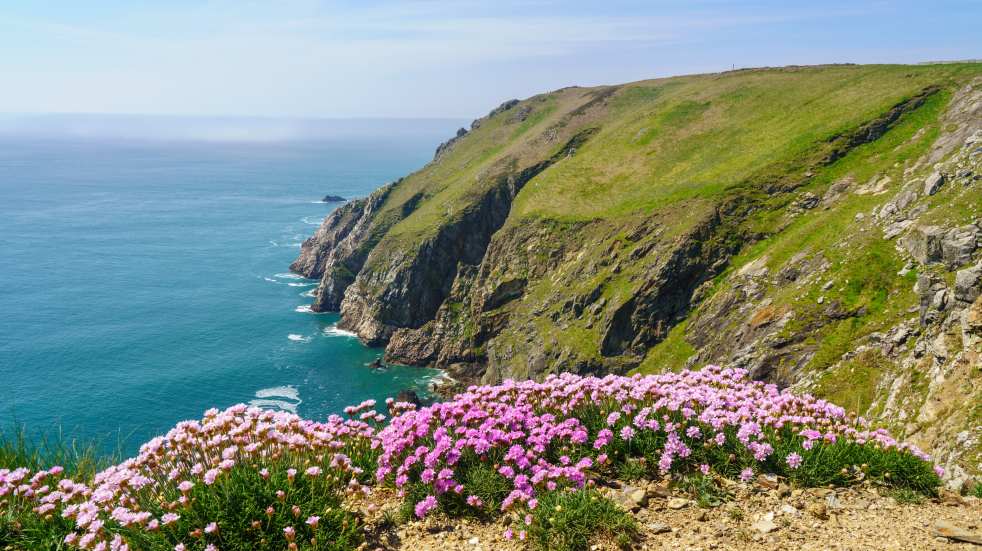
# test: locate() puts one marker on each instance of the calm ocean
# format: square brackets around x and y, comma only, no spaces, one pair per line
[142,282]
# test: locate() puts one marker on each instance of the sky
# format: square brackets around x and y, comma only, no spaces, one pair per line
[419,58]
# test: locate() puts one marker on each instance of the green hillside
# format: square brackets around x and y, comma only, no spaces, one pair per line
[772,219]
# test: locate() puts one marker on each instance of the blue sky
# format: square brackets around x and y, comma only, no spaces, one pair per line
[458,58]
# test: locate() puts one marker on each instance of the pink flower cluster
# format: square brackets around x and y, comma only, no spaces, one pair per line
[519,426]
[194,453]
[538,436]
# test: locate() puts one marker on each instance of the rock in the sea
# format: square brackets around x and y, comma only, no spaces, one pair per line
[333,199]
[408,396]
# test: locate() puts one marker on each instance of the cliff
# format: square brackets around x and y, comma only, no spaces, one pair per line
[818,226]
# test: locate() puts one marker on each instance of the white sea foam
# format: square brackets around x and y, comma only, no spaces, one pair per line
[298,338]
[282,398]
[280,405]
[286,391]
[310,294]
[334,331]
[288,275]
[271,280]
[305,309]
[312,220]
[311,284]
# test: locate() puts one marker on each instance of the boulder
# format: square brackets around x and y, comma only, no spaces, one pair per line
[807,201]
[945,529]
[630,498]
[958,245]
[408,396]
[933,297]
[924,243]
[933,183]
[968,284]
[765,524]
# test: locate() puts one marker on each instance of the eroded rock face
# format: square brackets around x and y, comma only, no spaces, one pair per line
[337,251]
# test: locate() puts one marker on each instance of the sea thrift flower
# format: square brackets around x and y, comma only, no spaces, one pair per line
[211,528]
[313,520]
[424,507]
[794,460]
[169,518]
[746,474]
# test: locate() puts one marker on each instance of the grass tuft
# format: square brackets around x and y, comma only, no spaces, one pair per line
[570,520]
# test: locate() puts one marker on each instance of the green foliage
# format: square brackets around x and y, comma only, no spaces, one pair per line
[906,496]
[705,489]
[239,501]
[80,459]
[569,520]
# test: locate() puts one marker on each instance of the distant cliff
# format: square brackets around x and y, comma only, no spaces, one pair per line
[817,225]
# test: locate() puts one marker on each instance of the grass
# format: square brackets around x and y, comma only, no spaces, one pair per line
[570,520]
[905,496]
[80,459]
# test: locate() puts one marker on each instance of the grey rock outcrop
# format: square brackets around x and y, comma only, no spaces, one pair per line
[968,284]
[933,183]
[924,243]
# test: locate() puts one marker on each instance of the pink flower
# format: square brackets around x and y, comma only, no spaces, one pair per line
[169,518]
[313,520]
[211,528]
[746,474]
[704,469]
[313,471]
[794,460]
[424,507]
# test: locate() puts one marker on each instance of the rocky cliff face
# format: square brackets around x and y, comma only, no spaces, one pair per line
[656,225]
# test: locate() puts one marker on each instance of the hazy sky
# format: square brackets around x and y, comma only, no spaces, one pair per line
[426,58]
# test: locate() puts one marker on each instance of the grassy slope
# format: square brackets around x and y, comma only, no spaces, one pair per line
[671,139]
[864,272]
[666,149]
[661,141]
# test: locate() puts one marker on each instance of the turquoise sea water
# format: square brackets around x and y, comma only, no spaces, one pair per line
[144,282]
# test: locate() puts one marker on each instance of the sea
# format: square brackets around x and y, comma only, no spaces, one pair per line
[144,271]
